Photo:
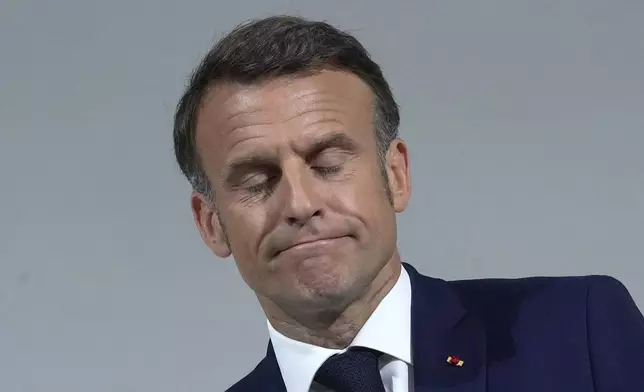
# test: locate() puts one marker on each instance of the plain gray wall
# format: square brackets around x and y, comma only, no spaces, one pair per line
[526,126]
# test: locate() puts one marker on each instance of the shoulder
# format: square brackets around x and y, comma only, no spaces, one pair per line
[265,376]
[252,381]
[561,297]
[607,292]
[610,310]
[561,287]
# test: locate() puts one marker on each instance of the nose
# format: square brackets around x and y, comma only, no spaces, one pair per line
[302,199]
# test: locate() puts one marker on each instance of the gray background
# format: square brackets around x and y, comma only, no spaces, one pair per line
[526,126]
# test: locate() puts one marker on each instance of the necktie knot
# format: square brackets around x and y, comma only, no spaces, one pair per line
[355,370]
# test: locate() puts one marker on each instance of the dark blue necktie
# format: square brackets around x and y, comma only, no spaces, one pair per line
[355,370]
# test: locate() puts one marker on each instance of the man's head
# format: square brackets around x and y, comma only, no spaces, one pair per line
[288,135]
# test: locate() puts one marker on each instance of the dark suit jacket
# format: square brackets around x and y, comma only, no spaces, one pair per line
[540,334]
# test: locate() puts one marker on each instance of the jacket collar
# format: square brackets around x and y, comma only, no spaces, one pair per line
[440,327]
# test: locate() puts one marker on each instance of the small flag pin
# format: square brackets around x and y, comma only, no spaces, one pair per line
[455,361]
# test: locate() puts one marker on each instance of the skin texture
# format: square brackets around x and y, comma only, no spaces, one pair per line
[300,200]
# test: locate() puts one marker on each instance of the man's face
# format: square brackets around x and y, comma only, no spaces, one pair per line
[301,199]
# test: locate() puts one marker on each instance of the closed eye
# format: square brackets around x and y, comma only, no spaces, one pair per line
[259,181]
[260,188]
[327,170]
[257,188]
[331,160]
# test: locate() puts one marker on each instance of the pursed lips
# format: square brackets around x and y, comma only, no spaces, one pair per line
[310,243]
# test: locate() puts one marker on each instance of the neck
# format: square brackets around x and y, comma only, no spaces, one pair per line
[338,327]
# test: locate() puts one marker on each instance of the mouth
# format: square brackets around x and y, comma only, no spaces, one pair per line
[317,244]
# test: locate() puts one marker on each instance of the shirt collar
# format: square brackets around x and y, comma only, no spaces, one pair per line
[388,330]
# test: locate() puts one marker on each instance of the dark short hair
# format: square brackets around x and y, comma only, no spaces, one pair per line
[263,49]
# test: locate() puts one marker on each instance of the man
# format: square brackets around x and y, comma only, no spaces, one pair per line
[288,133]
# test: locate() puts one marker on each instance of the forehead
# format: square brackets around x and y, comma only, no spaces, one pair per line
[233,117]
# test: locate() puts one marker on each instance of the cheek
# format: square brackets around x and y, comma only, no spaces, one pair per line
[244,229]
[244,233]
[370,187]
[363,196]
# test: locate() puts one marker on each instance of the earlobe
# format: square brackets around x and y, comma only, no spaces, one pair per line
[399,174]
[210,226]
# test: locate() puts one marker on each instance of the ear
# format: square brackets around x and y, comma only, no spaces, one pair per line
[209,223]
[398,174]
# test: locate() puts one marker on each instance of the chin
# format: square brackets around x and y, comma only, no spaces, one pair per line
[326,283]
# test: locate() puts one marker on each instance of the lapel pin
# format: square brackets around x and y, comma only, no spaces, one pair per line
[455,361]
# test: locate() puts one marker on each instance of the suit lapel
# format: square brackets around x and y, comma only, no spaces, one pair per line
[441,327]
[267,376]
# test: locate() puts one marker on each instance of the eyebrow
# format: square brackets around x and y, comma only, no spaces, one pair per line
[257,159]
[242,164]
[337,140]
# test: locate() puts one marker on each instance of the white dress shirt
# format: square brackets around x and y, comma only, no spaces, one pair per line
[387,330]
